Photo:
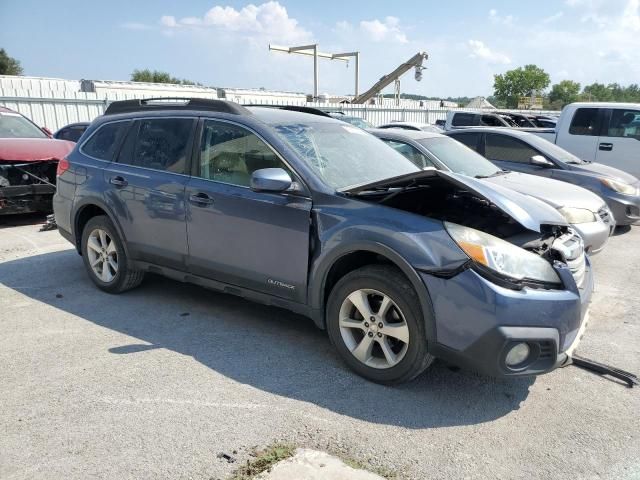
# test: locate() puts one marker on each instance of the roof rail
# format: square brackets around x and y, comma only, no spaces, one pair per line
[293,108]
[175,103]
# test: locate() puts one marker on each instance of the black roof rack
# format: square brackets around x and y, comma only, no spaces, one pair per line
[175,103]
[293,108]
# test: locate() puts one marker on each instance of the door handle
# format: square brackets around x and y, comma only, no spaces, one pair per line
[607,147]
[200,199]
[118,181]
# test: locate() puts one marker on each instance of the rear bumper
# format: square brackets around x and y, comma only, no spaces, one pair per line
[26,198]
[477,322]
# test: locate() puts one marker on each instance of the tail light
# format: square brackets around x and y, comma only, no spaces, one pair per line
[63,166]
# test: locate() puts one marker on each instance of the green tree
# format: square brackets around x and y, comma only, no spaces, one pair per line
[563,93]
[597,92]
[9,65]
[156,76]
[520,82]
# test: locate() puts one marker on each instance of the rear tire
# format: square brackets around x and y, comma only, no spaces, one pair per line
[375,322]
[105,258]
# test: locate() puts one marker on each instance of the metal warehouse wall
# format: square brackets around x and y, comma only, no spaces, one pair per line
[54,103]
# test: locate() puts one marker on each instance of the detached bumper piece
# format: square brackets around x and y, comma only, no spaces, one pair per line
[605,370]
[27,186]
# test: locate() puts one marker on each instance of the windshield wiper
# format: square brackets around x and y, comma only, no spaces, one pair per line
[494,174]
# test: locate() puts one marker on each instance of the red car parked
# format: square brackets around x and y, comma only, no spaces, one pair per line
[28,162]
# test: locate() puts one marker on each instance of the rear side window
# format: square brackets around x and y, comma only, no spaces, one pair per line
[624,123]
[468,139]
[464,119]
[159,144]
[72,134]
[418,158]
[104,143]
[508,149]
[230,154]
[491,121]
[586,121]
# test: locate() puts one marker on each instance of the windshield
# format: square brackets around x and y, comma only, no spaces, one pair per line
[551,149]
[459,158]
[356,121]
[13,125]
[344,155]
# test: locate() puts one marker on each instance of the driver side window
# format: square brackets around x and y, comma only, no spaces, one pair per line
[230,154]
[505,148]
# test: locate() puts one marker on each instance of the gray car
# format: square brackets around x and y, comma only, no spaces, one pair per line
[528,153]
[586,212]
[399,264]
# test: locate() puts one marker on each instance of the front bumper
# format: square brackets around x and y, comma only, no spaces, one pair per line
[26,198]
[594,234]
[625,208]
[477,321]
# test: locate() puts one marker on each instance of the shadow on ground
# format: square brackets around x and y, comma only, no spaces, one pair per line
[267,348]
[7,221]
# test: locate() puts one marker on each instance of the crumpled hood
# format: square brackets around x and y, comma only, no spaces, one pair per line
[599,169]
[33,149]
[527,211]
[553,192]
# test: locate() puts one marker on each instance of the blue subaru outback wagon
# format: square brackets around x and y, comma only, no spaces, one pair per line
[400,265]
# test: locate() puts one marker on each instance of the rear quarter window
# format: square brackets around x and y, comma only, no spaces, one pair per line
[104,143]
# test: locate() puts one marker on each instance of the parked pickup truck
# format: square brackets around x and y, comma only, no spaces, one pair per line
[607,133]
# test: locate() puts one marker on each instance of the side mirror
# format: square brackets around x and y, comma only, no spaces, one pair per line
[540,161]
[270,180]
[48,132]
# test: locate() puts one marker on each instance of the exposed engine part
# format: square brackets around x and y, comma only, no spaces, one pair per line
[28,173]
[444,201]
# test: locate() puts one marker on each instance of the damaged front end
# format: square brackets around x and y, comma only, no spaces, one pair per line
[27,187]
[495,214]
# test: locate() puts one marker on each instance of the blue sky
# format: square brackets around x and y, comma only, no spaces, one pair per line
[224,42]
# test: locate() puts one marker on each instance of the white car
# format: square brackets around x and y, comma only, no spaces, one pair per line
[416,126]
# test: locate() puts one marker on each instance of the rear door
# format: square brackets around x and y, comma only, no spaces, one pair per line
[583,134]
[255,240]
[146,189]
[513,154]
[619,142]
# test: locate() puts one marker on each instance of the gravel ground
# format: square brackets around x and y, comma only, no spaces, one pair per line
[155,383]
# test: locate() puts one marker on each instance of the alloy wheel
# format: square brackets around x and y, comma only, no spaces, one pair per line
[374,328]
[102,255]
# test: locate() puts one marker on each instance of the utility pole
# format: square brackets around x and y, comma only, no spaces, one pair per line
[312,50]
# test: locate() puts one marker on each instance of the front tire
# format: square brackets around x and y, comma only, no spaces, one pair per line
[105,258]
[375,322]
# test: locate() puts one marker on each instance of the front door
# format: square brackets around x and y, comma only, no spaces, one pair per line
[619,143]
[511,153]
[146,189]
[254,240]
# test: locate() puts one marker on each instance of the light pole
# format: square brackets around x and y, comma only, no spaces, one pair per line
[312,50]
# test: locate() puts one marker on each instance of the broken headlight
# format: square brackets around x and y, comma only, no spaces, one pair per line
[502,257]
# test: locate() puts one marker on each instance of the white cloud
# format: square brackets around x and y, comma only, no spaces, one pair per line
[379,31]
[506,20]
[270,20]
[553,18]
[480,50]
